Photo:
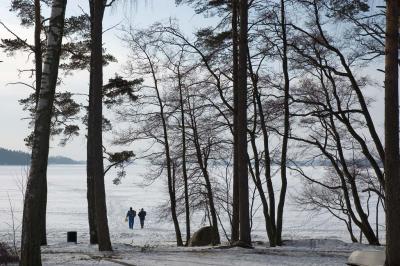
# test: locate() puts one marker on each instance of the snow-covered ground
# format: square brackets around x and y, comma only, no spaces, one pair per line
[298,252]
[311,239]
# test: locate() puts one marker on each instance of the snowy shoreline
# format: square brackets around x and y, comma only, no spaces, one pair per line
[310,239]
[298,252]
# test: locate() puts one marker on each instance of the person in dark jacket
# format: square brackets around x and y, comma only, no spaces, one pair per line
[142,215]
[131,217]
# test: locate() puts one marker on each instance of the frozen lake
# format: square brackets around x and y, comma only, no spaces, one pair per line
[67,209]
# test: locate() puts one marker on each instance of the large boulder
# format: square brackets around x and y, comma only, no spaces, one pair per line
[367,258]
[203,237]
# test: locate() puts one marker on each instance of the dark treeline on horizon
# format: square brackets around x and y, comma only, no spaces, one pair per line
[11,157]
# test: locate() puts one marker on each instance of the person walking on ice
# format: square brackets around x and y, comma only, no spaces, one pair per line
[142,215]
[130,216]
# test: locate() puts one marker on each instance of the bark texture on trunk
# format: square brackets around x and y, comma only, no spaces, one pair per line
[33,206]
[43,241]
[95,120]
[90,164]
[38,50]
[244,232]
[235,196]
[392,162]
[38,77]
[90,160]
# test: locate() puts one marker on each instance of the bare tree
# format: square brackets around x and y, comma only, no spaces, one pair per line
[202,154]
[331,139]
[142,51]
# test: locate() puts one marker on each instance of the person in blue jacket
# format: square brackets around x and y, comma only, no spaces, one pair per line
[131,217]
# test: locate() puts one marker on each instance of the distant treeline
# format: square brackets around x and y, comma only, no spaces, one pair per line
[361,163]
[10,157]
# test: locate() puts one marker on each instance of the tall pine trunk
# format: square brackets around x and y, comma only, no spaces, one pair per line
[244,228]
[33,206]
[95,119]
[38,50]
[90,160]
[90,164]
[392,162]
[235,192]
[38,77]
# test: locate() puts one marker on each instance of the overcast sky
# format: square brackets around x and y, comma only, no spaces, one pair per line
[13,126]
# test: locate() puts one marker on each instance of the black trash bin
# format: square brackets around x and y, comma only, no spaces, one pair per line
[72,236]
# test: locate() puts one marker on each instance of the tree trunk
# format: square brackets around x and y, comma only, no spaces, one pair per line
[43,241]
[202,164]
[364,225]
[90,164]
[33,205]
[350,229]
[168,159]
[91,201]
[346,177]
[90,160]
[184,168]
[38,50]
[392,162]
[267,159]
[170,177]
[235,192]
[95,119]
[38,79]
[269,226]
[282,196]
[244,228]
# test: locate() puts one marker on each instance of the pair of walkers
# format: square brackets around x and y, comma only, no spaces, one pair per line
[130,216]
